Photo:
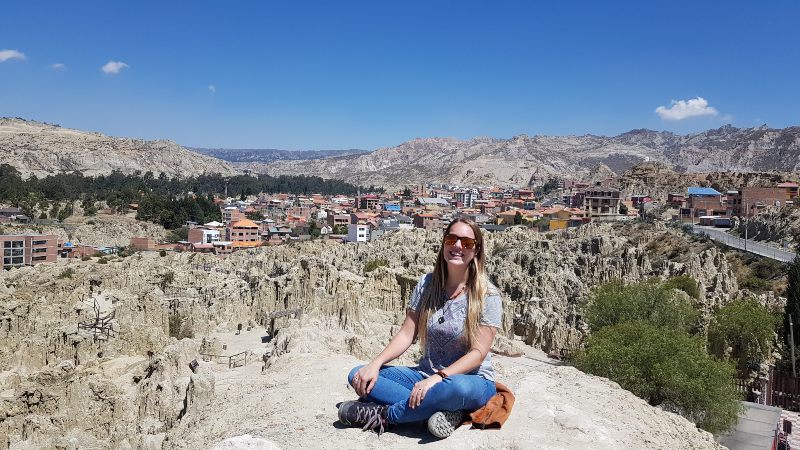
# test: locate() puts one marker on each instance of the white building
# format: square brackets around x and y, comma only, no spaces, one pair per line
[357,233]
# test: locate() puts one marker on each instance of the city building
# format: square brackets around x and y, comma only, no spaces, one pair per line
[357,232]
[601,203]
[28,250]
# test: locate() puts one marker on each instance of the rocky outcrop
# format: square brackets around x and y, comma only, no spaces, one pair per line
[776,225]
[658,180]
[294,406]
[35,148]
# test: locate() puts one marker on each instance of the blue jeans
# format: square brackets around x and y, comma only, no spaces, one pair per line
[394,384]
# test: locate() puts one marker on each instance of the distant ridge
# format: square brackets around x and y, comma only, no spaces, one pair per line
[523,159]
[268,155]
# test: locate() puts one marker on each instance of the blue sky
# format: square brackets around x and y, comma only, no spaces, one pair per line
[328,75]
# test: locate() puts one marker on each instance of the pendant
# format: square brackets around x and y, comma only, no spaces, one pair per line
[441,319]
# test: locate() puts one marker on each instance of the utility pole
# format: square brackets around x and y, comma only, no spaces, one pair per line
[791,336]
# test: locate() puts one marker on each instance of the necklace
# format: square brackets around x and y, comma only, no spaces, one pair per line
[455,295]
[457,292]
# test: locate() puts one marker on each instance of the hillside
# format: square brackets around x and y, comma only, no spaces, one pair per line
[40,149]
[523,159]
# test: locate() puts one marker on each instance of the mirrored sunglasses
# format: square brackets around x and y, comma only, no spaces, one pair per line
[466,242]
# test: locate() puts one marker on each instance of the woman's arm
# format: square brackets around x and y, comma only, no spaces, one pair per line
[365,378]
[467,363]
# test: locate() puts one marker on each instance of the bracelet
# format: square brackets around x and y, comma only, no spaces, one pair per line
[441,374]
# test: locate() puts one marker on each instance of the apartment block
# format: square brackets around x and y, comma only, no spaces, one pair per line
[28,250]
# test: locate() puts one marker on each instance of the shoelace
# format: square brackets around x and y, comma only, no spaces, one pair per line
[373,419]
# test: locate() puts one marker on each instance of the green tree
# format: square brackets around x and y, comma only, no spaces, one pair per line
[255,215]
[667,368]
[650,301]
[313,229]
[746,328]
[792,309]
[518,218]
[623,209]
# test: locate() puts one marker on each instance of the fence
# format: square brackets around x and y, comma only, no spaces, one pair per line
[779,389]
[237,360]
[783,390]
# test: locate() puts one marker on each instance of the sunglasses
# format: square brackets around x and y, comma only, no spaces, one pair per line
[466,242]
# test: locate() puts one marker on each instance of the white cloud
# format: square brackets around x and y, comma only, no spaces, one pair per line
[212,88]
[114,67]
[683,109]
[58,66]
[6,55]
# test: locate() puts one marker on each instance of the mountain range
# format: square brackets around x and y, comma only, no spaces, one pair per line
[267,155]
[523,160]
[36,148]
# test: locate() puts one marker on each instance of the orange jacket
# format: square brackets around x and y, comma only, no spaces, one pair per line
[495,412]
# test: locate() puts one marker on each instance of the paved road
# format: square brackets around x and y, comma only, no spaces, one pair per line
[749,245]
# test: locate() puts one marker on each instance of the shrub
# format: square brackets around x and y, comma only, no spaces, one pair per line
[651,302]
[162,253]
[747,328]
[85,258]
[684,283]
[102,260]
[66,273]
[180,327]
[166,279]
[374,264]
[666,368]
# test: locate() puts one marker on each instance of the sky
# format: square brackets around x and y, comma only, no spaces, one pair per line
[346,74]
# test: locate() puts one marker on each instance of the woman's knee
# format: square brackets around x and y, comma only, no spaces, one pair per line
[353,373]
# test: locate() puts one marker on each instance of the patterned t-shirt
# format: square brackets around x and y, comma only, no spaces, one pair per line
[445,343]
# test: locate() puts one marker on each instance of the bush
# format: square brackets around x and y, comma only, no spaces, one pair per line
[747,328]
[179,327]
[102,260]
[166,279]
[684,283]
[162,253]
[651,302]
[85,258]
[374,264]
[667,368]
[66,273]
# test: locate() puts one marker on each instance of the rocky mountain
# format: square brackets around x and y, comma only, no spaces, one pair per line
[658,181]
[520,160]
[268,155]
[67,382]
[40,149]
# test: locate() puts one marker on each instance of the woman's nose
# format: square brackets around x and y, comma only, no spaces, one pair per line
[458,243]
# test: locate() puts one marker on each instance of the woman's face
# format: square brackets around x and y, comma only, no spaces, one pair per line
[456,253]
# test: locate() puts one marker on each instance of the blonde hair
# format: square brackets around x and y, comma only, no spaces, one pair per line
[433,297]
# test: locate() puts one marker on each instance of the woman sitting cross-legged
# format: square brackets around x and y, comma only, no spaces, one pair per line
[461,312]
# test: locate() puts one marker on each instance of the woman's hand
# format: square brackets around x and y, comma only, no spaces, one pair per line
[364,380]
[422,388]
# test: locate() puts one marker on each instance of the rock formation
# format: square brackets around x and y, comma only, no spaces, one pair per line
[88,353]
